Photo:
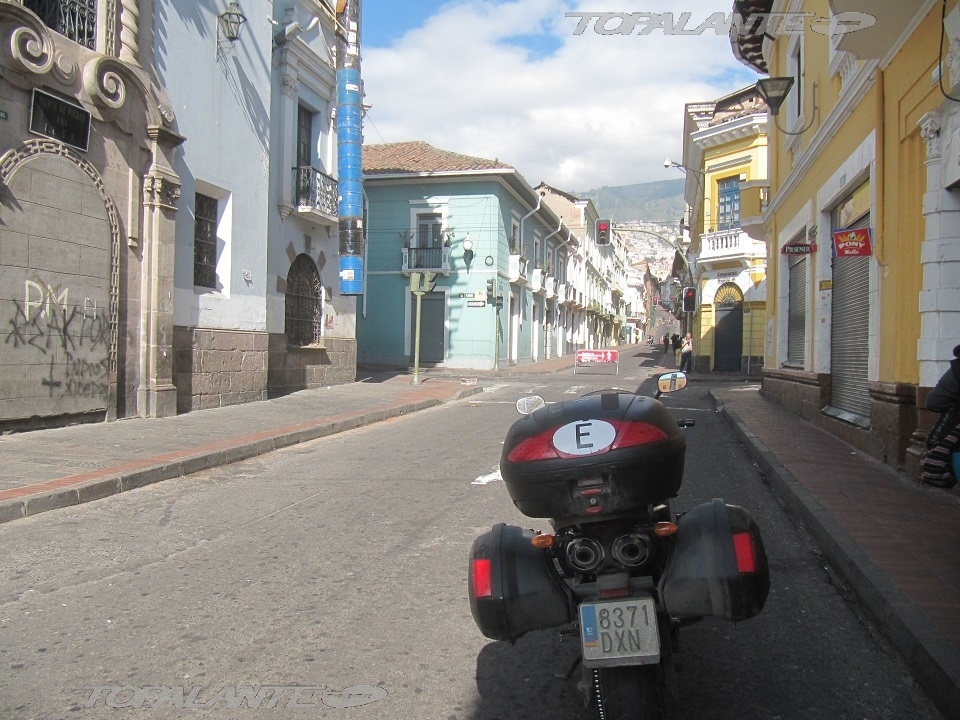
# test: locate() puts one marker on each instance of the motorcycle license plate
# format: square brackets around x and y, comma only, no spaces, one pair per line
[619,632]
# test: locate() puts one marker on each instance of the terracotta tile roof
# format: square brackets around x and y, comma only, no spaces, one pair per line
[420,157]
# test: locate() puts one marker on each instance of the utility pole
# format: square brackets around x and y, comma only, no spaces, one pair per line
[349,147]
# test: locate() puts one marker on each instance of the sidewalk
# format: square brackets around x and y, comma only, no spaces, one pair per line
[48,469]
[895,544]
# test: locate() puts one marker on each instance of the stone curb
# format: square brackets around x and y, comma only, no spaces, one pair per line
[934,662]
[186,462]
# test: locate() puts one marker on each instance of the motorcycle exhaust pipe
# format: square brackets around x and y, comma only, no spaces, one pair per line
[585,554]
[631,550]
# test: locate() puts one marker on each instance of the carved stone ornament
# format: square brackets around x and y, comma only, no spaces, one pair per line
[103,82]
[159,191]
[930,132]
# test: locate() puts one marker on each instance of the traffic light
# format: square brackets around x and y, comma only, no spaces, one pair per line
[689,299]
[491,290]
[603,232]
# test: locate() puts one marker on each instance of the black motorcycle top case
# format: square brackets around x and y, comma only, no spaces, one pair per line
[525,593]
[581,469]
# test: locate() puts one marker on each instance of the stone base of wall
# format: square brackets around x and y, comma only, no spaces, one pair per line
[295,368]
[214,368]
[893,412]
[749,366]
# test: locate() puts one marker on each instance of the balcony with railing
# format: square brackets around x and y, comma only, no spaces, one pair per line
[517,269]
[430,259]
[536,281]
[727,244]
[316,194]
[550,287]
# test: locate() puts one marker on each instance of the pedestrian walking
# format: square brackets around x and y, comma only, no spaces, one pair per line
[939,465]
[666,343]
[686,354]
[676,348]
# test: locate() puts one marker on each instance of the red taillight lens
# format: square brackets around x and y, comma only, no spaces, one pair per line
[482,586]
[630,434]
[537,447]
[746,552]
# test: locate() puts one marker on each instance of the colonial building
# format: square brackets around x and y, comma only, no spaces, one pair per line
[509,274]
[862,234]
[159,252]
[725,158]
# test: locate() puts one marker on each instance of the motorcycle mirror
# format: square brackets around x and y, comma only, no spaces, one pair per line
[670,382]
[529,404]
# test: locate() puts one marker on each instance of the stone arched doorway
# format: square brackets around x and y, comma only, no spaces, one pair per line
[728,335]
[59,285]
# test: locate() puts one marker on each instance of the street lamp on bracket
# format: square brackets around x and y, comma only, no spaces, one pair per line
[701,182]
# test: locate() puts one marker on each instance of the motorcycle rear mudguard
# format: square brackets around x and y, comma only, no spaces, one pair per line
[718,566]
[513,586]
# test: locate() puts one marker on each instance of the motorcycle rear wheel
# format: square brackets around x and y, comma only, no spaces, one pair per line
[628,693]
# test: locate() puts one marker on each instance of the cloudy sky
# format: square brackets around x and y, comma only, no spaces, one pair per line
[510,80]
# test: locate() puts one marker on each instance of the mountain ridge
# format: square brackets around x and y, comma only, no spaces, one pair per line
[660,201]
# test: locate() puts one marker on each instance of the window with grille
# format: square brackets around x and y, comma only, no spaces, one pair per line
[728,212]
[76,19]
[303,303]
[205,241]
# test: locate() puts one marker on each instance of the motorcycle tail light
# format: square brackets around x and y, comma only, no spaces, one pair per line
[746,552]
[628,434]
[631,434]
[482,586]
[536,447]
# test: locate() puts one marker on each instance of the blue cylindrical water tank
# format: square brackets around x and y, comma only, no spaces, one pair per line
[351,275]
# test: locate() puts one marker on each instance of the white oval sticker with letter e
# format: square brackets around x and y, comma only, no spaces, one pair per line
[584,437]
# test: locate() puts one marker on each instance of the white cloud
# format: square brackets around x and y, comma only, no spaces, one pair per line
[595,110]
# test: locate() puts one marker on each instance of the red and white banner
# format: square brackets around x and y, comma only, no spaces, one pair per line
[852,243]
[598,356]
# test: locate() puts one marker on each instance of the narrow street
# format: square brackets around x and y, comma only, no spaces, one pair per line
[336,568]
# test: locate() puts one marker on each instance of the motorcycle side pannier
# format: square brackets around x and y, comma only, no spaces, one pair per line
[598,455]
[513,586]
[717,566]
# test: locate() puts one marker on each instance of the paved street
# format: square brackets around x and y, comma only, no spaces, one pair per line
[340,562]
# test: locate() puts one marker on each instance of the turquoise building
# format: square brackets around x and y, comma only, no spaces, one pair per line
[500,258]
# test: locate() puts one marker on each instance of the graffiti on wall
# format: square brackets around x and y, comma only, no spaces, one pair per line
[71,339]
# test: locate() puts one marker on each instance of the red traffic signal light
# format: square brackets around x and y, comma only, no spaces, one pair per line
[689,299]
[603,232]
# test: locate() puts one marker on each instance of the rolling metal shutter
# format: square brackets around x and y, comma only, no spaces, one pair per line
[850,329]
[797,312]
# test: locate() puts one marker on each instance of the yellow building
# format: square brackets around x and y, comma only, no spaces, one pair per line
[861,221]
[725,159]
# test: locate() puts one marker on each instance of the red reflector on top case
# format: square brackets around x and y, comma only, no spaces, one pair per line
[630,434]
[538,447]
[482,586]
[745,551]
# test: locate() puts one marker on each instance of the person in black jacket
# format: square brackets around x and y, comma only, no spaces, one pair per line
[947,391]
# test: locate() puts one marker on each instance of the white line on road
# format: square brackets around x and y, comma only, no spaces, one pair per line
[492,477]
